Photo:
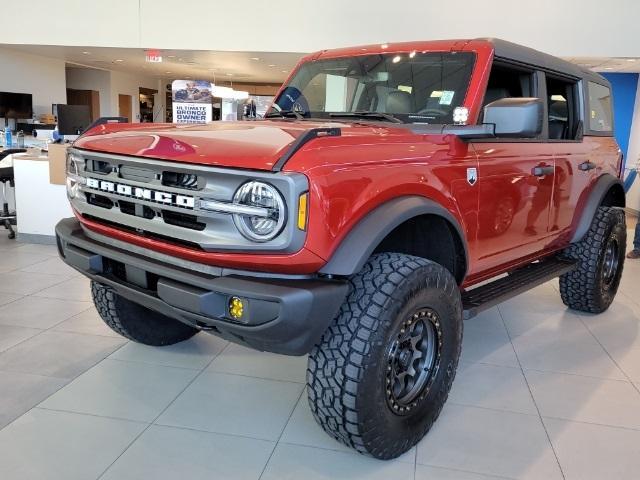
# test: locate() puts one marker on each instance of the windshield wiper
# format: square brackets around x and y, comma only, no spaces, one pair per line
[285,114]
[372,115]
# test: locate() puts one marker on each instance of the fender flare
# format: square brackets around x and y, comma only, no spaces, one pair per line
[358,245]
[602,186]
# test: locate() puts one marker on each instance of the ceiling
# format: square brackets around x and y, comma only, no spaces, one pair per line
[224,67]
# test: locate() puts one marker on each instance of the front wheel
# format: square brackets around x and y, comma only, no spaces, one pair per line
[592,286]
[382,372]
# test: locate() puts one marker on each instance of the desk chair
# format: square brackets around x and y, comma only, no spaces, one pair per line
[7,218]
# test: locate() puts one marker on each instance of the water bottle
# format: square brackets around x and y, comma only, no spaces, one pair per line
[7,137]
[20,139]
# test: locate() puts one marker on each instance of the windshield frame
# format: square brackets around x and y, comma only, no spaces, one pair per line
[463,92]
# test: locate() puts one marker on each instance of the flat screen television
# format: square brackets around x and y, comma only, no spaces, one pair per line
[16,105]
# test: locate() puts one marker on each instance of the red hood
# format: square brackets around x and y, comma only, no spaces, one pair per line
[252,145]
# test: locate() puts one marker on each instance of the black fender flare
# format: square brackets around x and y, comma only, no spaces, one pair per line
[599,191]
[358,245]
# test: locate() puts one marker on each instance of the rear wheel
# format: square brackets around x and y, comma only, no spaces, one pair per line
[136,322]
[592,286]
[381,373]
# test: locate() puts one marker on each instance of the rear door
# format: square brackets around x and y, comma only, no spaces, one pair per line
[575,159]
[515,181]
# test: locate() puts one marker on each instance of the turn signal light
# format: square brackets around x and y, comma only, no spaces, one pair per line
[302,211]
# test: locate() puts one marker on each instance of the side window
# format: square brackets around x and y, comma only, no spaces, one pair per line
[562,108]
[508,82]
[601,113]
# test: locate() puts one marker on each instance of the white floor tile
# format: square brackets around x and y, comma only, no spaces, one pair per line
[127,390]
[26,283]
[235,405]
[88,323]
[294,462]
[78,288]
[53,266]
[489,442]
[38,312]
[172,453]
[195,353]
[483,344]
[11,335]
[45,445]
[424,472]
[244,361]
[491,386]
[595,452]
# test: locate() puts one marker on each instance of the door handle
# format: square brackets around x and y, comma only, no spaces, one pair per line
[586,166]
[542,170]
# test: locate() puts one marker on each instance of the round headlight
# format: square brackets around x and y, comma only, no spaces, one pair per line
[267,220]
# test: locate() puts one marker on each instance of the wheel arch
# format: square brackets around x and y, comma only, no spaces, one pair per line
[608,191]
[384,229]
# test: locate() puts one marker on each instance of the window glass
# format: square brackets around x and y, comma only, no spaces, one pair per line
[601,113]
[561,105]
[413,87]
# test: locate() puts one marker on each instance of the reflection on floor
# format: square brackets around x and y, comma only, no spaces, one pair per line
[542,393]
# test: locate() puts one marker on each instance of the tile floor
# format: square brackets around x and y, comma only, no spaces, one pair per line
[541,393]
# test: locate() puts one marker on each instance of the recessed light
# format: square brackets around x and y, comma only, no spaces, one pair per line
[168,73]
[284,71]
[86,53]
[272,65]
[229,74]
[119,60]
[608,68]
[631,59]
[255,59]
[171,56]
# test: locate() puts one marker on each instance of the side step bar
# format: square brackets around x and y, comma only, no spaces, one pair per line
[518,281]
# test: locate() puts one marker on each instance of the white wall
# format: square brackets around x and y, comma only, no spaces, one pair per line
[43,77]
[561,27]
[125,84]
[92,79]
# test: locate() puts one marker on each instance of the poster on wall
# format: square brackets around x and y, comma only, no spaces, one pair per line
[191,101]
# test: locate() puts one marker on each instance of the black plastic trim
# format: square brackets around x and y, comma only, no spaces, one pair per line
[302,140]
[599,191]
[362,240]
[284,316]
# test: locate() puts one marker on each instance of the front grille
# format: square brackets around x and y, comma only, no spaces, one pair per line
[183,220]
[129,208]
[180,180]
[99,200]
[143,233]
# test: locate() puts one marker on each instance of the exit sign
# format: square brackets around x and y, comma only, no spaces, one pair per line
[154,56]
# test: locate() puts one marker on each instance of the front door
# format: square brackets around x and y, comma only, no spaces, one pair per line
[125,106]
[515,182]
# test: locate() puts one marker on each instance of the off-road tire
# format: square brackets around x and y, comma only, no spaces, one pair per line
[585,288]
[136,322]
[347,369]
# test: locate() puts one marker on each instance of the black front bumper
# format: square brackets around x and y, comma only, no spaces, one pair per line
[282,315]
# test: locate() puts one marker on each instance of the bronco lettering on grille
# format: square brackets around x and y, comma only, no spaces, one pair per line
[166,198]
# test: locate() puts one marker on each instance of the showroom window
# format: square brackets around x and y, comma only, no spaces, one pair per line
[600,115]
[561,106]
[412,86]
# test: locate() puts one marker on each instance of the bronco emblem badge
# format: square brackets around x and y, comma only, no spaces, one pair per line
[472,176]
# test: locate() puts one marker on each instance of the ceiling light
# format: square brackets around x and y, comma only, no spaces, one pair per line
[631,59]
[86,53]
[171,56]
[168,73]
[119,60]
[397,58]
[255,59]
[384,46]
[229,74]
[284,71]
[272,65]
[608,68]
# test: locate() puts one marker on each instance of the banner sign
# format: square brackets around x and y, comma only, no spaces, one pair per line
[191,101]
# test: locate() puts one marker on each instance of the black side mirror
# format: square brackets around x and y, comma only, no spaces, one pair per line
[515,117]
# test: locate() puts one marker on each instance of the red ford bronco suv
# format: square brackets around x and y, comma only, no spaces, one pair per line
[391,192]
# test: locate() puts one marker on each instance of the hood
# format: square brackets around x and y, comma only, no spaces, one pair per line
[251,145]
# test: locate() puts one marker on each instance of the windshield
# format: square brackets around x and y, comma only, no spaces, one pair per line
[412,87]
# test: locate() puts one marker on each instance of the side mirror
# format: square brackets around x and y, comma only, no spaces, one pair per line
[515,117]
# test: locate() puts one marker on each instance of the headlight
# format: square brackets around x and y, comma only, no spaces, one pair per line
[75,165]
[266,215]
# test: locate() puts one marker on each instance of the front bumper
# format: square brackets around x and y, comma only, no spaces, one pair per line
[282,315]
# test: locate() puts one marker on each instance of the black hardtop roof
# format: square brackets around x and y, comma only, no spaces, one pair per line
[529,56]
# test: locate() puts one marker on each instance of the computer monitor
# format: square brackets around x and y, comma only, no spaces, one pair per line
[73,119]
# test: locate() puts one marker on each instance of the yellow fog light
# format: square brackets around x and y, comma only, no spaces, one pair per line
[236,308]
[302,211]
